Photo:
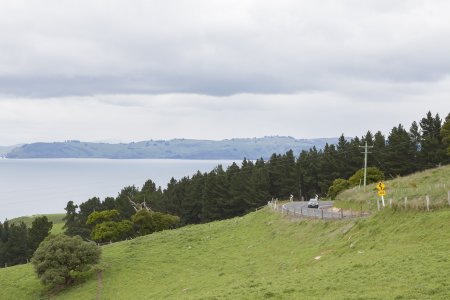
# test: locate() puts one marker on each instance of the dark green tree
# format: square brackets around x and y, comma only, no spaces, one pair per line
[259,184]
[445,134]
[147,222]
[58,257]
[16,248]
[432,152]
[215,196]
[338,186]
[191,207]
[123,204]
[373,175]
[400,152]
[73,225]
[40,229]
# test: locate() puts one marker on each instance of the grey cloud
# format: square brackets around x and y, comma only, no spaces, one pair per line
[218,48]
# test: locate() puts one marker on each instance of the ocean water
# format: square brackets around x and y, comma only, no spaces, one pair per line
[40,186]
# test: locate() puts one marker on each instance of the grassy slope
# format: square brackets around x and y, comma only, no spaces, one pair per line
[57,220]
[401,255]
[434,182]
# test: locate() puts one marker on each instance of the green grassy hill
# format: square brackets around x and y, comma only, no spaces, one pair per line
[394,254]
[57,220]
[434,182]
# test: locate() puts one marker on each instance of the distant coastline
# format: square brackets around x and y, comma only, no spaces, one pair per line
[239,148]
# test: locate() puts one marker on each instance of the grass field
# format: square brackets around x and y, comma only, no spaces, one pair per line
[264,255]
[393,254]
[57,220]
[434,182]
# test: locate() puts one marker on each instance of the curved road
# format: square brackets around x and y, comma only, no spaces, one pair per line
[301,208]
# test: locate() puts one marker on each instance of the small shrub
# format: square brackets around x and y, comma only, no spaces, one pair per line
[373,175]
[338,186]
[58,257]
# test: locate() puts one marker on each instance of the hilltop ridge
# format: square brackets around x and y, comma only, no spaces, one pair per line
[236,148]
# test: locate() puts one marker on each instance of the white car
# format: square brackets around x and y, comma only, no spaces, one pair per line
[313,203]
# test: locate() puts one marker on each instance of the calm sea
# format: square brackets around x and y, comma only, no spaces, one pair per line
[39,186]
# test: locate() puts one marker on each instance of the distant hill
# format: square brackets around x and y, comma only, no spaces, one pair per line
[250,148]
[5,149]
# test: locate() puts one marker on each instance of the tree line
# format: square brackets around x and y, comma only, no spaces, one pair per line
[18,243]
[225,193]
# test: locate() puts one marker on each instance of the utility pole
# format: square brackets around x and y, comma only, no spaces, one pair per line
[365,161]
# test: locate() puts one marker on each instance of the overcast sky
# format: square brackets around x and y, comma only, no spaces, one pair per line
[107,70]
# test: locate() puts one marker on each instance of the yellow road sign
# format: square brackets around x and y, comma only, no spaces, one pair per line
[382,193]
[380,186]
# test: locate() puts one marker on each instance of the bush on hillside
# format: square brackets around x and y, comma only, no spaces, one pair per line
[147,222]
[373,175]
[338,186]
[58,257]
[112,231]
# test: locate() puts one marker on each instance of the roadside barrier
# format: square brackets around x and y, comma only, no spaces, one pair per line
[327,212]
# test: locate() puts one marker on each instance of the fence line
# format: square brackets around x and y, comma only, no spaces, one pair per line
[314,213]
[425,203]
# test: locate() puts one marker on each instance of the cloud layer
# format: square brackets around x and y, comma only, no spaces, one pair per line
[85,47]
[97,69]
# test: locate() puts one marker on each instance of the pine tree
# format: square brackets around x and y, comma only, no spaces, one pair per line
[16,248]
[40,229]
[259,184]
[445,134]
[73,225]
[399,159]
[215,196]
[123,204]
[432,150]
[328,168]
[289,175]
[192,206]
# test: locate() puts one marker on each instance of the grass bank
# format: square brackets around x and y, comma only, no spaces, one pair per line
[264,255]
[434,183]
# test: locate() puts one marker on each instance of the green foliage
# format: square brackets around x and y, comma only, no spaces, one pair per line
[399,158]
[147,222]
[266,255]
[13,244]
[373,175]
[73,224]
[98,217]
[58,256]
[445,134]
[40,229]
[107,228]
[432,149]
[433,182]
[338,186]
[110,231]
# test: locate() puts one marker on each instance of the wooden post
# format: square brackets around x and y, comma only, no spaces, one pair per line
[406,200]
[321,210]
[301,211]
[342,214]
[428,202]
[361,211]
[390,203]
[448,197]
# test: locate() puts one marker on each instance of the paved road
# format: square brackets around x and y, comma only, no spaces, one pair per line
[301,207]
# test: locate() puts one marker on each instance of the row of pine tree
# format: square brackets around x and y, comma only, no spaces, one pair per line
[18,243]
[236,190]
